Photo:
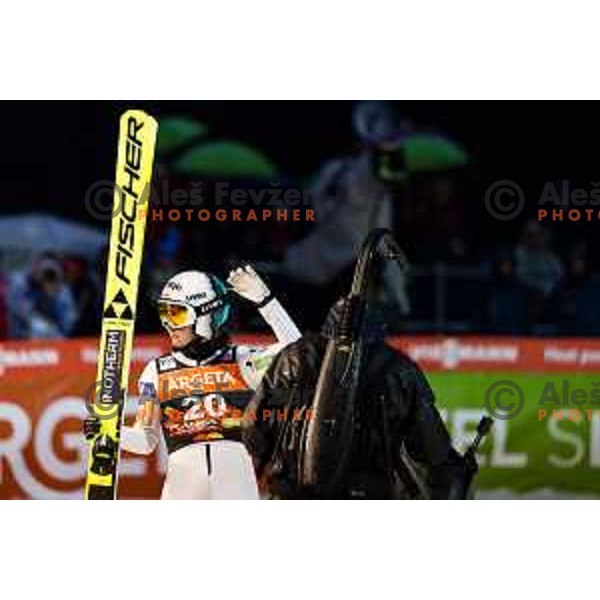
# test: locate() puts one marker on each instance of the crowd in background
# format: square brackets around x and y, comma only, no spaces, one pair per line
[411,181]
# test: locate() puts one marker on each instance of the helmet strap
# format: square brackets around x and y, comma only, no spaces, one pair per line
[200,348]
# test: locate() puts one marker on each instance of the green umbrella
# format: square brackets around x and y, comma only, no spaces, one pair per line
[175,132]
[225,159]
[430,152]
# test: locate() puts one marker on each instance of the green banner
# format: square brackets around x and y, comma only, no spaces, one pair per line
[547,444]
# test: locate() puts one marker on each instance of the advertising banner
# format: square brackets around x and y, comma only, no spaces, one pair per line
[544,395]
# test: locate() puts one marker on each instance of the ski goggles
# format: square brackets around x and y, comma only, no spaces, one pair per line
[175,316]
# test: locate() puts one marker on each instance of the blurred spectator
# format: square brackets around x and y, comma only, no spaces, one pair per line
[41,304]
[399,179]
[85,289]
[349,199]
[539,270]
[509,300]
[580,295]
[536,264]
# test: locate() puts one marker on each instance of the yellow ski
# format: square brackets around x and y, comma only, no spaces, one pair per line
[135,156]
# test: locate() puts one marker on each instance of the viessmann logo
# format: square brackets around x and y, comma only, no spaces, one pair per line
[28,357]
[450,353]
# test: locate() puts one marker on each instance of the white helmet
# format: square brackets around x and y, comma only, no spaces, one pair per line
[194,298]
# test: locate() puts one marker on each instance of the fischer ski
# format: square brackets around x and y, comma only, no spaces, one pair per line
[135,156]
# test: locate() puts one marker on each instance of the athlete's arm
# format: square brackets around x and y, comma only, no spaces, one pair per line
[280,322]
[143,436]
[247,283]
[255,361]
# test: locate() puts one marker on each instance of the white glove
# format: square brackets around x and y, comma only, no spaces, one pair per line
[246,282]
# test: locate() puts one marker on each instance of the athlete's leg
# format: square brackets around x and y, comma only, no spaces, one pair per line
[187,474]
[232,472]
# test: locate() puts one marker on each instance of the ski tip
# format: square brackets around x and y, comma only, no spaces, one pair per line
[140,116]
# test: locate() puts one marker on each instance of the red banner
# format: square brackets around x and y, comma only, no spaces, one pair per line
[43,385]
[502,354]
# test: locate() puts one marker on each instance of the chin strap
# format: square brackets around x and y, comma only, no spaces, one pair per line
[200,349]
